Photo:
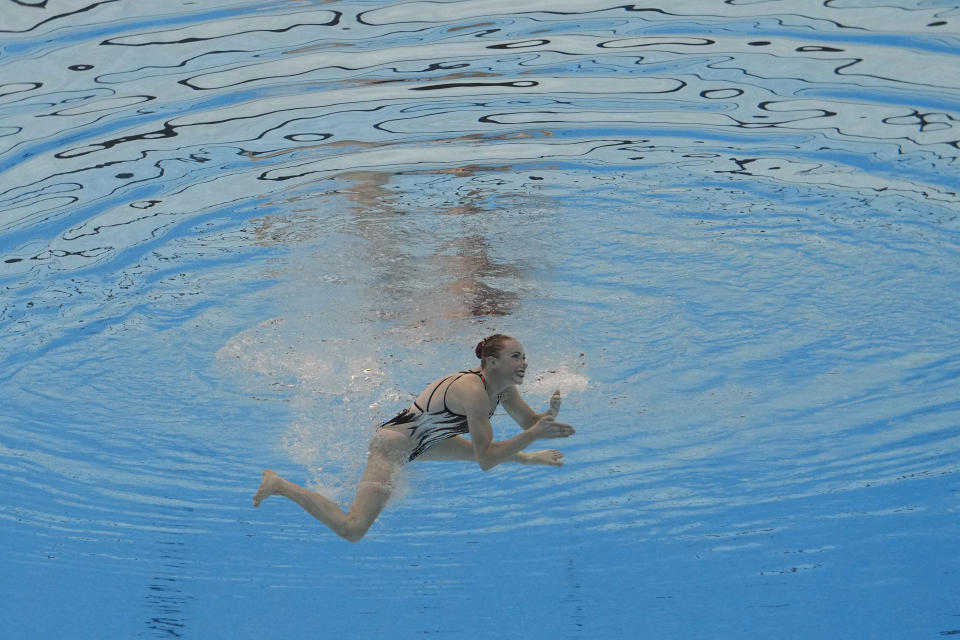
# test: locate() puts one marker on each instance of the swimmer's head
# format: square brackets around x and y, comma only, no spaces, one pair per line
[491,346]
[502,359]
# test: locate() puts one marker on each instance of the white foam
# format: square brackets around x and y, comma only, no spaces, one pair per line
[334,388]
[561,378]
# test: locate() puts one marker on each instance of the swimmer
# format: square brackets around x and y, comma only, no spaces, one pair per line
[432,428]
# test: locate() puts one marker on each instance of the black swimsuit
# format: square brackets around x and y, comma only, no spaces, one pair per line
[428,427]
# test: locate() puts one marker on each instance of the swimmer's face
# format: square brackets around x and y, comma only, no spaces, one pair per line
[512,361]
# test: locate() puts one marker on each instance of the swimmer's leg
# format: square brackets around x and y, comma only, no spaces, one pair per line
[458,448]
[388,452]
[455,448]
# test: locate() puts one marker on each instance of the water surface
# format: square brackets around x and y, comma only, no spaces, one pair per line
[236,235]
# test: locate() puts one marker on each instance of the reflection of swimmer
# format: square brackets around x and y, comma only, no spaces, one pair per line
[431,429]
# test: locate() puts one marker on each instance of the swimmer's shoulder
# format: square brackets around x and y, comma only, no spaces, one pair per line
[466,392]
[445,385]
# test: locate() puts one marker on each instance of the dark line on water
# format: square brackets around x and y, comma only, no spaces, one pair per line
[57,17]
[335,21]
[453,85]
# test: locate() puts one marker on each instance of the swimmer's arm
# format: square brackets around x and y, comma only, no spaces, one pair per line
[490,453]
[521,412]
[472,397]
[486,451]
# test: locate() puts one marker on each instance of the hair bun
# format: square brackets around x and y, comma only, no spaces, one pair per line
[491,346]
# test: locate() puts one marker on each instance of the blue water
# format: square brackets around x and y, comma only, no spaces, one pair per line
[237,235]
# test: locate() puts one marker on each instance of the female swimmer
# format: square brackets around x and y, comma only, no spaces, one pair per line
[432,428]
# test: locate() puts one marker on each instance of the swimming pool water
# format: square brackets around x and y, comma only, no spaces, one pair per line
[237,235]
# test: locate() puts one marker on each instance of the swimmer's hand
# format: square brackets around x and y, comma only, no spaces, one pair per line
[554,404]
[548,427]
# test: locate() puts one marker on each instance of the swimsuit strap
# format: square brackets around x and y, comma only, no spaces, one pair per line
[439,384]
[462,373]
[478,374]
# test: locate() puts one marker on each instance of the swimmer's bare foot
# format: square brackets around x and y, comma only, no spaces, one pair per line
[268,487]
[550,457]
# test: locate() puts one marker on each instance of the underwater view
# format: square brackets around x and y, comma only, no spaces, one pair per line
[241,235]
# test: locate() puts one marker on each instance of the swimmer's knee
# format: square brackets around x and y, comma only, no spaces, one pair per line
[353,537]
[354,530]
[385,487]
